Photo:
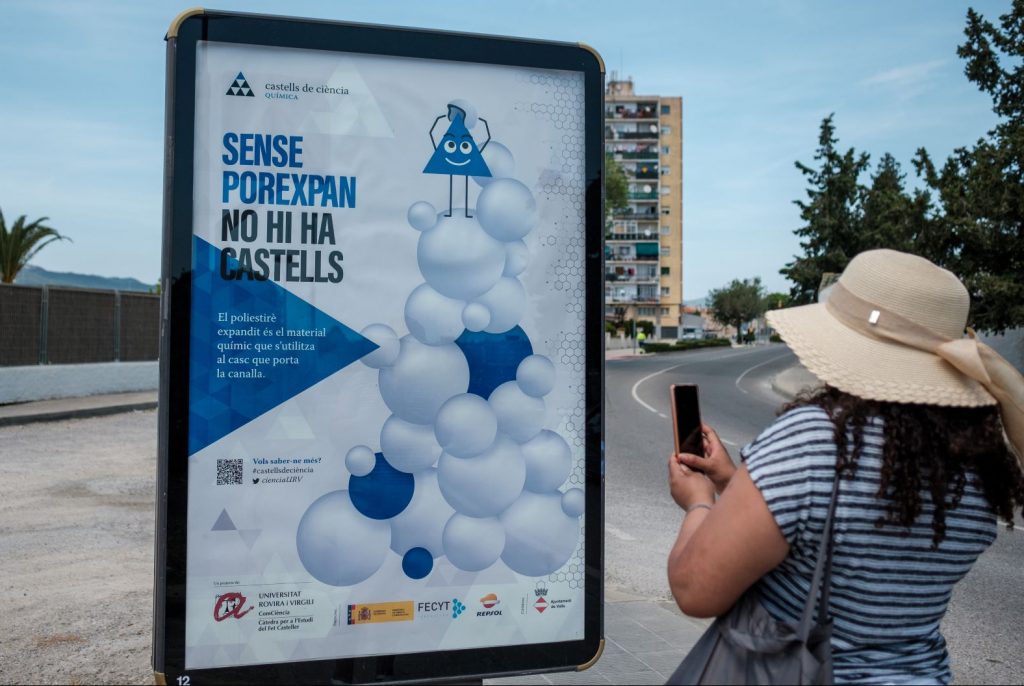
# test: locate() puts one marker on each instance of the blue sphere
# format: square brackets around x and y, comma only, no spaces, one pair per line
[383,493]
[417,563]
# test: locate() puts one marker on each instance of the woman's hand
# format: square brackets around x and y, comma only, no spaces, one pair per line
[716,463]
[687,486]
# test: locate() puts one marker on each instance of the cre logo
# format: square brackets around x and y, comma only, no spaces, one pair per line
[230,605]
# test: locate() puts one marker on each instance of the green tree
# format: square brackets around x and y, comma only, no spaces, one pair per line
[21,242]
[776,301]
[893,218]
[831,213]
[738,303]
[616,188]
[979,220]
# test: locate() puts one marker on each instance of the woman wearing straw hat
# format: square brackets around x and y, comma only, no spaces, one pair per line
[925,428]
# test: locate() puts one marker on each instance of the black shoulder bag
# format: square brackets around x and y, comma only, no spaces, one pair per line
[746,645]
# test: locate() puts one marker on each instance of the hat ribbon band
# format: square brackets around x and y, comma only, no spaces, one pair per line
[970,356]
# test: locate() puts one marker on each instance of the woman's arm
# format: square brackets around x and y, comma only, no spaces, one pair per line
[721,552]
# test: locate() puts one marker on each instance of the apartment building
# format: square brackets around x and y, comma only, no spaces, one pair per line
[644,241]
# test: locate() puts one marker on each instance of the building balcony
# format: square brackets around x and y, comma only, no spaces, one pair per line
[627,280]
[640,111]
[611,236]
[631,258]
[631,135]
[634,213]
[651,154]
[628,300]
[641,195]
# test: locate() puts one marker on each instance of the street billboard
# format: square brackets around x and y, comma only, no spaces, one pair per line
[381,362]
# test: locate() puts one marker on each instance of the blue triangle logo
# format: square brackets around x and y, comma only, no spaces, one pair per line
[231,383]
[457,152]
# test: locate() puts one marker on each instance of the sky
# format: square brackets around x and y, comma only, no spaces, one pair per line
[82,88]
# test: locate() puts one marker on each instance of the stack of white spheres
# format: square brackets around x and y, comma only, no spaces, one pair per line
[487,473]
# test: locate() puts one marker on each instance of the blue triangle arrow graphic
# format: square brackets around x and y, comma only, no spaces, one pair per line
[231,382]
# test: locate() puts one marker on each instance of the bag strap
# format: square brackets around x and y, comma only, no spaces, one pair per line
[822,570]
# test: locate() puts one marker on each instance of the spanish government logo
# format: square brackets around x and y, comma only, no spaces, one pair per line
[240,87]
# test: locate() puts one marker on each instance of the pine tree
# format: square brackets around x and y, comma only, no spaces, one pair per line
[831,214]
[980,189]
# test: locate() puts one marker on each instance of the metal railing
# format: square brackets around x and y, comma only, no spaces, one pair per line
[611,236]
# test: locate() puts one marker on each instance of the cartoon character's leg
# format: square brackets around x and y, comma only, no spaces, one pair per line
[450,182]
[468,215]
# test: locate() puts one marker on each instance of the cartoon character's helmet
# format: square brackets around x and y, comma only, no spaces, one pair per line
[453,110]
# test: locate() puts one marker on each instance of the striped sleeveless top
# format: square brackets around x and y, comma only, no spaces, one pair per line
[890,589]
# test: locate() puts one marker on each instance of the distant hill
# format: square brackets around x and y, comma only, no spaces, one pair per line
[37,276]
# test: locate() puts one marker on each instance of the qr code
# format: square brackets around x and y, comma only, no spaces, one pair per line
[229,472]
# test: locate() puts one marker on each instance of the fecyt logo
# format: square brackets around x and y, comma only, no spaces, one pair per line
[440,609]
[489,601]
[240,87]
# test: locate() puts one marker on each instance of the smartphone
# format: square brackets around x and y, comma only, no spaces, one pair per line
[686,422]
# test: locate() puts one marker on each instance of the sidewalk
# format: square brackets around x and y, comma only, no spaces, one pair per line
[645,639]
[622,353]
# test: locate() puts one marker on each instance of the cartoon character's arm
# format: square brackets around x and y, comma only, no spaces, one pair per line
[434,127]
[488,134]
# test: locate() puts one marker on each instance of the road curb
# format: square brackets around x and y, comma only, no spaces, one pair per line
[791,381]
[75,413]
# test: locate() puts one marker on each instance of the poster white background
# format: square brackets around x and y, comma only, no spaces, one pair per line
[378,133]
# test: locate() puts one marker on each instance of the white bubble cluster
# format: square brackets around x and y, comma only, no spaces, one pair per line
[499,161]
[487,474]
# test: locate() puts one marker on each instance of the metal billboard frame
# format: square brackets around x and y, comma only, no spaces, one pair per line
[183,37]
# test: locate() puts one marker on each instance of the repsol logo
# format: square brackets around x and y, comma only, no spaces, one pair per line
[488,613]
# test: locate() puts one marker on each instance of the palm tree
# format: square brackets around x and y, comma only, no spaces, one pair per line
[21,243]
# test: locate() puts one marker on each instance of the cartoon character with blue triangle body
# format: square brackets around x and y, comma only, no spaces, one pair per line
[457,153]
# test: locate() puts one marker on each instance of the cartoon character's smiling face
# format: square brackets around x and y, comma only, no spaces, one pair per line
[457,153]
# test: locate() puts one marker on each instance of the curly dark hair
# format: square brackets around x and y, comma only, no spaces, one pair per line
[926,447]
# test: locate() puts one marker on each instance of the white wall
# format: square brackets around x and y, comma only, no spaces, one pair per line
[42,382]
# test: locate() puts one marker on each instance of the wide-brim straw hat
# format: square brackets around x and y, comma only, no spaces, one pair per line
[853,360]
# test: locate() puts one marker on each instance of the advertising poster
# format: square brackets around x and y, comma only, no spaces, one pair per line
[386,358]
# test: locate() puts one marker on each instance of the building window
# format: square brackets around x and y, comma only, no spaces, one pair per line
[666,130]
[666,109]
[666,149]
[666,231]
[666,210]
[664,312]
[665,171]
[666,271]
[665,190]
[666,250]
[665,290]
[650,311]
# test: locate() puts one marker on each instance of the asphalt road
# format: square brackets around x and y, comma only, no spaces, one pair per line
[983,625]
